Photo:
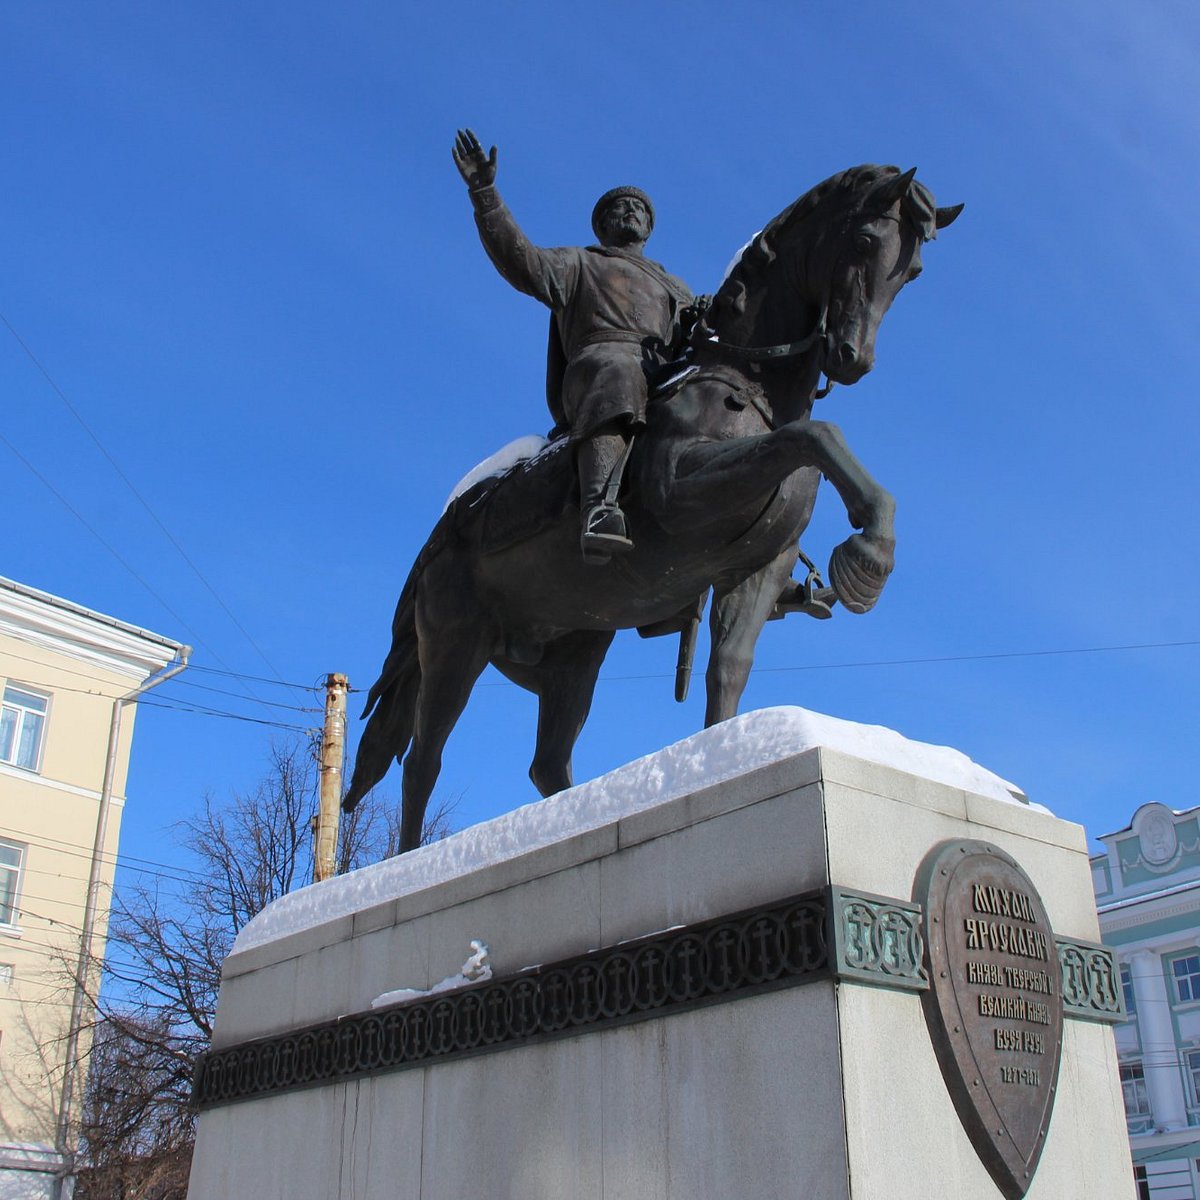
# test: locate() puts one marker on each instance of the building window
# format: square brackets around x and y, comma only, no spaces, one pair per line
[12,858]
[1187,977]
[1191,1068]
[1127,989]
[1133,1088]
[22,723]
[1143,1184]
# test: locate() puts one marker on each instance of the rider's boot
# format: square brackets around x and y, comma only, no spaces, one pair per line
[601,459]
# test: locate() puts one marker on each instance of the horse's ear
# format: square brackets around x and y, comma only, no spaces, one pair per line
[898,188]
[946,216]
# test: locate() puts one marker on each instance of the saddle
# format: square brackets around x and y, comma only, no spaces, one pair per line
[506,509]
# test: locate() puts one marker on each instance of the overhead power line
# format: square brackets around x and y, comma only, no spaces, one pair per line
[98,536]
[119,857]
[178,682]
[183,622]
[205,711]
[26,897]
[112,462]
[167,871]
[908,662]
[112,961]
[304,687]
[953,658]
[181,705]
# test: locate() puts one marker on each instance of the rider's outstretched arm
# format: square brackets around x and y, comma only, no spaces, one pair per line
[547,275]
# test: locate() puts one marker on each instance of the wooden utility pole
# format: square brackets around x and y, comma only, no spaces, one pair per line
[333,745]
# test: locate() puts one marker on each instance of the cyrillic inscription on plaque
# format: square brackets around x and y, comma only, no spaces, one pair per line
[995,1007]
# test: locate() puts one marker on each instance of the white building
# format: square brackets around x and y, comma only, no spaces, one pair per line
[1148,895]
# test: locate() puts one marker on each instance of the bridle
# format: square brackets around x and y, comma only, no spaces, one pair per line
[703,334]
[760,354]
[776,353]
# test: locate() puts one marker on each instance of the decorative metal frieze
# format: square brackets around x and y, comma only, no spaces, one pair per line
[773,947]
[848,935]
[1091,986]
[995,1007]
[876,940]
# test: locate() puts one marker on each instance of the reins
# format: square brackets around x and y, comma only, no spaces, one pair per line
[758,354]
[784,350]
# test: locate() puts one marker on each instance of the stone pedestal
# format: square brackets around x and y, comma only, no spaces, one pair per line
[783,1050]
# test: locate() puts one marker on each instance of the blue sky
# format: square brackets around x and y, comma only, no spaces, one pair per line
[234,238]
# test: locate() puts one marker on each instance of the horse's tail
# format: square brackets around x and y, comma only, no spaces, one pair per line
[391,703]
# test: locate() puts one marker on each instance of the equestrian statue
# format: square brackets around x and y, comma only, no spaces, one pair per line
[684,460]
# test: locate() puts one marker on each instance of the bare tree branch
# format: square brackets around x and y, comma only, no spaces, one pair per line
[165,961]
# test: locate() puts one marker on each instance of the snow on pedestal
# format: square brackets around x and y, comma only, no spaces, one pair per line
[710,757]
[833,1081]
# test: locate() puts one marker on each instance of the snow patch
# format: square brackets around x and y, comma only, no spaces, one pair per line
[737,258]
[680,375]
[503,460]
[712,756]
[476,969]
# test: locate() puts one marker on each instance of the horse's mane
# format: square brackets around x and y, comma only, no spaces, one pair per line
[850,190]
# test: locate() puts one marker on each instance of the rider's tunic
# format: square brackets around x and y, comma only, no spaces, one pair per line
[615,314]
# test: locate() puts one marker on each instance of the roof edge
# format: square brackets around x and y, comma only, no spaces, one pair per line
[54,623]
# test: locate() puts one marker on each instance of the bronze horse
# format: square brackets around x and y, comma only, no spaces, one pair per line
[721,485]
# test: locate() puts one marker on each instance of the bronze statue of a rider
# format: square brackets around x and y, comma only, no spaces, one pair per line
[616,318]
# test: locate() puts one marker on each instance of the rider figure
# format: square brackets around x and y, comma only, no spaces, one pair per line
[615,317]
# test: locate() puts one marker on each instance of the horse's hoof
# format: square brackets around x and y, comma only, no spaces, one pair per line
[858,569]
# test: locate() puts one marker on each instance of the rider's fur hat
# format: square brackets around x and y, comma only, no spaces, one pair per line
[616,194]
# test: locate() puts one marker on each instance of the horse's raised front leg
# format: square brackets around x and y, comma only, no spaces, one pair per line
[859,566]
[736,620]
[714,477]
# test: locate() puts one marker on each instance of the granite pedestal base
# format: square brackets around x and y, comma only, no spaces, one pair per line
[796,1078]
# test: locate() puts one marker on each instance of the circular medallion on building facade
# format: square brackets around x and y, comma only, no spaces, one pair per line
[1155,826]
[994,1008]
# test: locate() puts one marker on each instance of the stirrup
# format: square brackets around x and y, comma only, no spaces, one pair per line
[603,534]
[811,597]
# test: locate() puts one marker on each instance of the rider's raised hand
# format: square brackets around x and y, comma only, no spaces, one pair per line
[477,168]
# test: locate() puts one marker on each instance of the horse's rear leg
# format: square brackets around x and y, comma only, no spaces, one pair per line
[448,673]
[565,683]
[736,620]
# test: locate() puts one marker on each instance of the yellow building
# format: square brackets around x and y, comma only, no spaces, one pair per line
[68,681]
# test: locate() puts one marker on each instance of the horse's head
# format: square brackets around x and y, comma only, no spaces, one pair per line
[866,258]
[829,267]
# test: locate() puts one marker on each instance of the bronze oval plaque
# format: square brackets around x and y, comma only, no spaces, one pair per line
[994,1008]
